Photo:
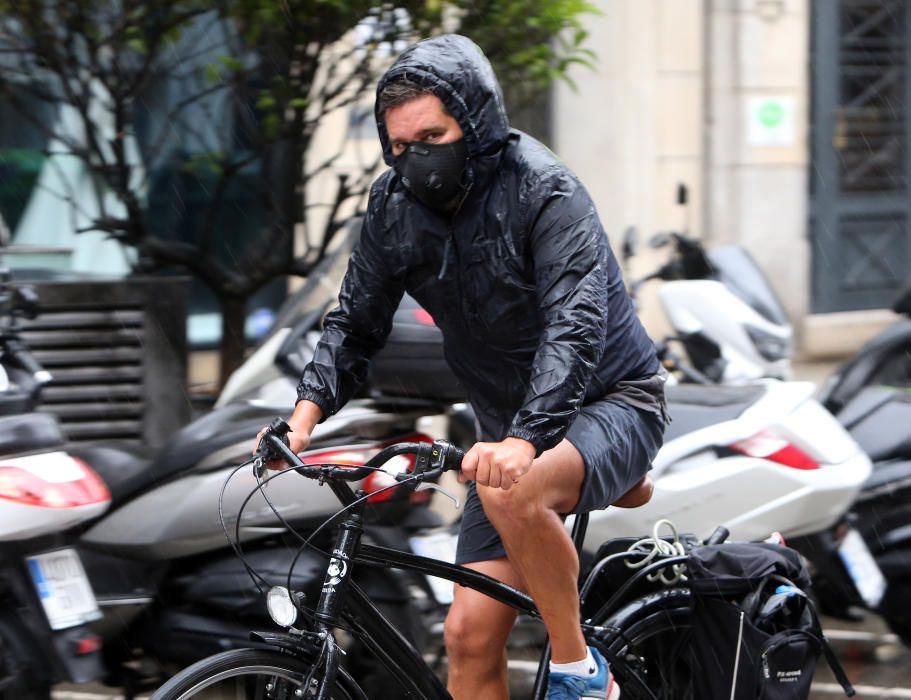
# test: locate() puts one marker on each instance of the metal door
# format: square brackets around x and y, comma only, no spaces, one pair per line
[860,221]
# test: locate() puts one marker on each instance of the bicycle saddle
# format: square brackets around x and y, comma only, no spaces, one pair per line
[637,496]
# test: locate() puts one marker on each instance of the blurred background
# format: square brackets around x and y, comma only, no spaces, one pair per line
[213,141]
[181,183]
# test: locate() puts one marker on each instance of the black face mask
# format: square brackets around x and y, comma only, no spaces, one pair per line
[434,172]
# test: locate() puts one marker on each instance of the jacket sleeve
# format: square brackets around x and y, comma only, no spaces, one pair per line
[358,327]
[569,251]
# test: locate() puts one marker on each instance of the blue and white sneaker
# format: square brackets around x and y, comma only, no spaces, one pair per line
[601,686]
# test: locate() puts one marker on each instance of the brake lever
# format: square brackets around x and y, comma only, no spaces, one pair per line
[259,467]
[265,451]
[431,486]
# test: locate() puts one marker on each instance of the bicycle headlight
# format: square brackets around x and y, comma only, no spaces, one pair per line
[280,606]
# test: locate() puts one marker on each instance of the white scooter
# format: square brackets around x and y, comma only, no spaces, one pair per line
[722,310]
[46,495]
[759,459]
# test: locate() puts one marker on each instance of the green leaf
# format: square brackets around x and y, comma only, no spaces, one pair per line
[265,101]
[212,73]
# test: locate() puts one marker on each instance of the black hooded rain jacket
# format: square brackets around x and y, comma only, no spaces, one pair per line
[521,280]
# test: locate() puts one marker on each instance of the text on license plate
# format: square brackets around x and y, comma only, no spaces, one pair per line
[63,588]
[862,567]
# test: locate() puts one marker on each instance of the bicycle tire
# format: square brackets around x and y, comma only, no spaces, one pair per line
[245,673]
[648,639]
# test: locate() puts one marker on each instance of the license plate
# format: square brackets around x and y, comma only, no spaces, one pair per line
[63,588]
[440,545]
[862,568]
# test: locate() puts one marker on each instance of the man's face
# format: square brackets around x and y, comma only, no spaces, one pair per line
[421,120]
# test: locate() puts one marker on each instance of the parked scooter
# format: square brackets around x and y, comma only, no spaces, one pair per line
[46,602]
[868,396]
[761,458]
[723,312]
[170,588]
[883,361]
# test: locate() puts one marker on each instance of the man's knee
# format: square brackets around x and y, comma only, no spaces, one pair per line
[471,633]
[516,505]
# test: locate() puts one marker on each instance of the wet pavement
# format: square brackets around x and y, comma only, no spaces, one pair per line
[877,663]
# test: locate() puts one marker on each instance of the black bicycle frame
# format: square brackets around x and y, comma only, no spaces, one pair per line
[342,599]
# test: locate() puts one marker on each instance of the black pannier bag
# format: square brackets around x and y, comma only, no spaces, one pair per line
[755,633]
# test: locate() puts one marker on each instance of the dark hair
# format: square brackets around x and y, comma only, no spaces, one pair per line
[398,92]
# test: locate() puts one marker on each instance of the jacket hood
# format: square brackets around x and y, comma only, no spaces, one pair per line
[455,69]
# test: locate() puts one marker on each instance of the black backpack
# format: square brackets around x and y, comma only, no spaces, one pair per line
[755,634]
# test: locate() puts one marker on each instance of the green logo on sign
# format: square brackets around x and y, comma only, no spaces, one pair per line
[771,114]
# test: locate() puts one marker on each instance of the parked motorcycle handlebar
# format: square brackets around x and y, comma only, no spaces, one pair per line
[24,359]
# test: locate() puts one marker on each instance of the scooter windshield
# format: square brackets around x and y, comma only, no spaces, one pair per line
[737,270]
[902,304]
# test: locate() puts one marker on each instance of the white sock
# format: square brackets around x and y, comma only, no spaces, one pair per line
[585,668]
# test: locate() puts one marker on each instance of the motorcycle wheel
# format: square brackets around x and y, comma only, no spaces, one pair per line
[20,679]
[254,674]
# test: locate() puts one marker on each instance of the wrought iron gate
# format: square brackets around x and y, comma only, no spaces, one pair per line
[860,220]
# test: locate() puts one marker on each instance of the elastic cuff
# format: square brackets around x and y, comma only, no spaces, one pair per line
[320,400]
[529,436]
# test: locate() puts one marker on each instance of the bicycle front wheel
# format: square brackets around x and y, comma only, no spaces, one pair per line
[649,641]
[253,674]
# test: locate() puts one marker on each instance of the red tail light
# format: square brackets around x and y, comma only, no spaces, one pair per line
[423,317]
[768,445]
[53,480]
[378,480]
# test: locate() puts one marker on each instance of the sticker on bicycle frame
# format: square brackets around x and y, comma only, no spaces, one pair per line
[336,571]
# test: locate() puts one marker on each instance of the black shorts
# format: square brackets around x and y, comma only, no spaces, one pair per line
[617,442]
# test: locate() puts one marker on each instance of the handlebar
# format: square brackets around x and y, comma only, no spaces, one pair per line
[23,358]
[432,459]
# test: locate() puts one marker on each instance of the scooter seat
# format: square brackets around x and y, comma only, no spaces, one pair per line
[875,417]
[696,406]
[124,468]
[28,433]
[130,469]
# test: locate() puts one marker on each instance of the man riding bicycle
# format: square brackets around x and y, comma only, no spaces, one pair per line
[501,244]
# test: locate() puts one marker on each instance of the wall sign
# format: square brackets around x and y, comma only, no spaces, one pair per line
[770,121]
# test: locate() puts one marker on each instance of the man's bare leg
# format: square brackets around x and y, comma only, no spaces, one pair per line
[477,628]
[538,546]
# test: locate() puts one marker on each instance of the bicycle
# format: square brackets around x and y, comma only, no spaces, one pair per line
[641,628]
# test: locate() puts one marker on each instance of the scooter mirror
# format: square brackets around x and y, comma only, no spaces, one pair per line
[630,242]
[682,194]
[26,302]
[659,240]
[6,237]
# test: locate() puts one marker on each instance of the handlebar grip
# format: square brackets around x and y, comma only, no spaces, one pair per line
[279,427]
[277,447]
[454,457]
[274,443]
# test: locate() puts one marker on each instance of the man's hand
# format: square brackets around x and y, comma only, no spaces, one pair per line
[306,415]
[498,464]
